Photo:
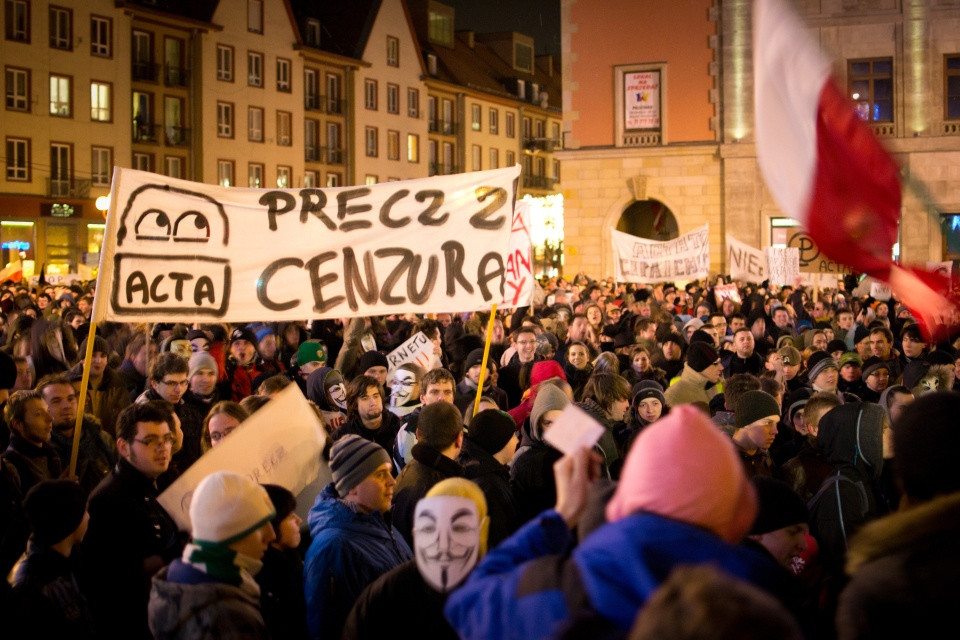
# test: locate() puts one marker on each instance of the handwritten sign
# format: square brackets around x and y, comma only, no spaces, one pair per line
[184,251]
[641,96]
[726,292]
[744,262]
[641,260]
[573,428]
[279,444]
[783,265]
[417,349]
[880,291]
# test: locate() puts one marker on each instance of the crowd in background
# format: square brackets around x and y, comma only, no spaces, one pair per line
[790,452]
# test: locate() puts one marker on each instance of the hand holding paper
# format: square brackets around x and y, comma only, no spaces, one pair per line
[574,429]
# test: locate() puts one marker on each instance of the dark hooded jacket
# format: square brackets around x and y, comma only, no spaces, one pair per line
[851,438]
[317,393]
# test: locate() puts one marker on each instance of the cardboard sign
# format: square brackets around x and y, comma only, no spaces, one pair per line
[279,444]
[726,292]
[783,265]
[745,263]
[573,428]
[641,260]
[811,260]
[187,252]
[417,349]
[880,291]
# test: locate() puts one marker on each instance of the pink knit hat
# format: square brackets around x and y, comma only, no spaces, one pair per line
[683,467]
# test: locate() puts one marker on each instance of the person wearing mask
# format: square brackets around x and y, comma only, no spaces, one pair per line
[450,536]
[437,386]
[210,592]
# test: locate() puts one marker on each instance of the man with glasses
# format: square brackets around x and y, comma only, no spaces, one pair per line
[169,381]
[526,342]
[130,536]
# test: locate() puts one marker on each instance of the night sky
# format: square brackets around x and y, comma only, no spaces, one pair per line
[537,18]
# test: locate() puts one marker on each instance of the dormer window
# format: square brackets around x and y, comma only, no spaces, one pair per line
[312,32]
[523,57]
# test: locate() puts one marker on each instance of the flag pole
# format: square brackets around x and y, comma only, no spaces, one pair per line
[486,354]
[84,383]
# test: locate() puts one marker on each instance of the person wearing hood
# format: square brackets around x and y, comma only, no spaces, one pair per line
[281,578]
[683,498]
[326,389]
[903,567]
[354,542]
[853,440]
[532,469]
[701,372]
[606,398]
[466,391]
[210,591]
[450,536]
[646,407]
[541,371]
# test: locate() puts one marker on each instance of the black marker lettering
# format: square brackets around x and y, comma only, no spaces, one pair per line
[203,290]
[385,218]
[344,209]
[156,297]
[353,283]
[453,259]
[419,297]
[264,280]
[483,276]
[137,283]
[317,282]
[427,218]
[272,200]
[386,291]
[178,288]
[315,207]
[481,219]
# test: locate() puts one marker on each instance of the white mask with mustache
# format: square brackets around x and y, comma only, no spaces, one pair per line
[446,540]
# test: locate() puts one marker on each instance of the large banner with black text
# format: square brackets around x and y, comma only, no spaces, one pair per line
[184,251]
[641,260]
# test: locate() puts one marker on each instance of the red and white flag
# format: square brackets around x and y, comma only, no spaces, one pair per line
[824,165]
[12,272]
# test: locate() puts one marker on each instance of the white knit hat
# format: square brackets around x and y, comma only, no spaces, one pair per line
[227,507]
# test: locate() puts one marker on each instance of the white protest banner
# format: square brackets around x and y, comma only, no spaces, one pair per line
[279,444]
[783,265]
[880,291]
[641,260]
[417,349]
[745,263]
[726,292]
[184,251]
[573,428]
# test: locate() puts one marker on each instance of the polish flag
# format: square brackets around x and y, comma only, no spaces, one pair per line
[824,166]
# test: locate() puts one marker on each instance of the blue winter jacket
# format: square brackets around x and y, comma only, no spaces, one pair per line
[349,551]
[515,591]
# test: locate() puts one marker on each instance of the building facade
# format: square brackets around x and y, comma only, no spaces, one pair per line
[661,171]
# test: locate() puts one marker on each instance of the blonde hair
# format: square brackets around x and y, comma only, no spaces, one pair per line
[463,488]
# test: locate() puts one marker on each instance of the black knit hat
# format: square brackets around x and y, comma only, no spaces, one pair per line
[818,362]
[872,364]
[753,406]
[701,336]
[283,501]
[778,506]
[647,389]
[926,440]
[940,357]
[492,430]
[836,345]
[701,355]
[55,509]
[624,339]
[860,333]
[244,334]
[475,357]
[371,359]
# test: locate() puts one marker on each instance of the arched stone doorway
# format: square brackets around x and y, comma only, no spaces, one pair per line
[649,219]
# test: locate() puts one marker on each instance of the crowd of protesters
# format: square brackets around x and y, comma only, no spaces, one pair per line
[777,463]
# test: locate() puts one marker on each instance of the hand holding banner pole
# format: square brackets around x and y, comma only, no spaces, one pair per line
[486,353]
[84,383]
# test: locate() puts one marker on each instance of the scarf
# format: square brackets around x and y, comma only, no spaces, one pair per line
[223,564]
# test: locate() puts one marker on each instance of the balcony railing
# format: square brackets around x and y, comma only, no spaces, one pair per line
[334,156]
[323,104]
[145,71]
[67,188]
[145,131]
[446,127]
[178,136]
[175,76]
[335,106]
[538,182]
[548,145]
[311,154]
[439,169]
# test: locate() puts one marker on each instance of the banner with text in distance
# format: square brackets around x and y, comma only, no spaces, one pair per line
[186,252]
[744,262]
[642,260]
